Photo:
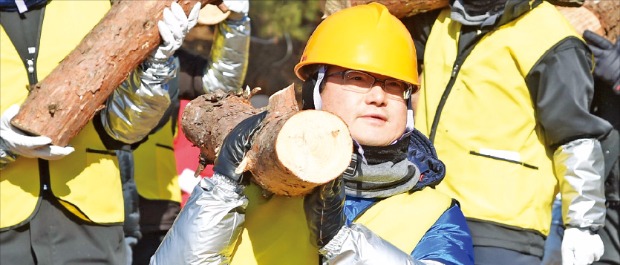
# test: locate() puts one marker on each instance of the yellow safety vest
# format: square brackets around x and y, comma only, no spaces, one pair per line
[87,181]
[155,168]
[276,231]
[490,108]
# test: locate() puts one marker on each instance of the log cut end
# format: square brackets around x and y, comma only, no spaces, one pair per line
[315,145]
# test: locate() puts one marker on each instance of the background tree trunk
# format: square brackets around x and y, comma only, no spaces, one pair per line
[607,13]
[62,104]
[398,8]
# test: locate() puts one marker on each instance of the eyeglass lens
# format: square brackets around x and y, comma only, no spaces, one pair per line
[357,80]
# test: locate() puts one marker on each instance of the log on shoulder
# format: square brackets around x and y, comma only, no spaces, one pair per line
[62,103]
[293,151]
[208,118]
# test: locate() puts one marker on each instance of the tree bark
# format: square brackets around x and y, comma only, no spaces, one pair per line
[608,13]
[581,19]
[398,8]
[292,153]
[208,118]
[67,99]
[601,17]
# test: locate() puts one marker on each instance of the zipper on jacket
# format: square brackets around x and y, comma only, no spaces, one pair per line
[456,68]
[444,97]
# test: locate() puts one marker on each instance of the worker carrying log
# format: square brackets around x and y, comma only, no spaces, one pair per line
[64,204]
[359,65]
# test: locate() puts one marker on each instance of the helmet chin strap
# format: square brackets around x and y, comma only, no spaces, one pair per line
[316,93]
[410,122]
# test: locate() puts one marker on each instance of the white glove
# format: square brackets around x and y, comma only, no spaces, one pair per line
[187,181]
[238,6]
[581,247]
[173,28]
[21,144]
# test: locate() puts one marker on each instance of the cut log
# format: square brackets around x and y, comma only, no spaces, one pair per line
[398,8]
[67,99]
[581,19]
[208,118]
[294,154]
[293,151]
[608,13]
[601,17]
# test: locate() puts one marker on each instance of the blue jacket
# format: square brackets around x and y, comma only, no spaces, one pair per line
[451,222]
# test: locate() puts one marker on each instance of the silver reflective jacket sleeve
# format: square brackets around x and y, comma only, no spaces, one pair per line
[138,104]
[579,166]
[358,245]
[207,228]
[229,57]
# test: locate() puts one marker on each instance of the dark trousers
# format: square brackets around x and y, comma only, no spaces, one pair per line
[55,236]
[146,247]
[496,256]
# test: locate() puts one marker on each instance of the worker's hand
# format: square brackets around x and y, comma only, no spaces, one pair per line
[581,247]
[173,28]
[241,7]
[234,147]
[18,143]
[606,58]
[324,211]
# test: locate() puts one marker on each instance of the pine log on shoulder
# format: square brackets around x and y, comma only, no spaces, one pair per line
[208,118]
[293,154]
[608,13]
[296,151]
[293,151]
[62,103]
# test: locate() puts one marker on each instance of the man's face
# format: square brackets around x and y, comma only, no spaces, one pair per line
[374,118]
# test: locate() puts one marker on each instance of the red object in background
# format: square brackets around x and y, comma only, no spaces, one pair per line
[186,155]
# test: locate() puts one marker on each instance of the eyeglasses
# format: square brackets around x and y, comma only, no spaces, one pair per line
[362,82]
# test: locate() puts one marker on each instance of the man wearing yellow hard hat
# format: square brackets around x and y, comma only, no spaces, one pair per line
[359,64]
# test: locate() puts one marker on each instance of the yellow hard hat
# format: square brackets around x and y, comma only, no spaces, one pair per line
[364,37]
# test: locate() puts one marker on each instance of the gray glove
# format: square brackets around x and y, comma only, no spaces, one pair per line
[606,57]
[324,211]
[234,147]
